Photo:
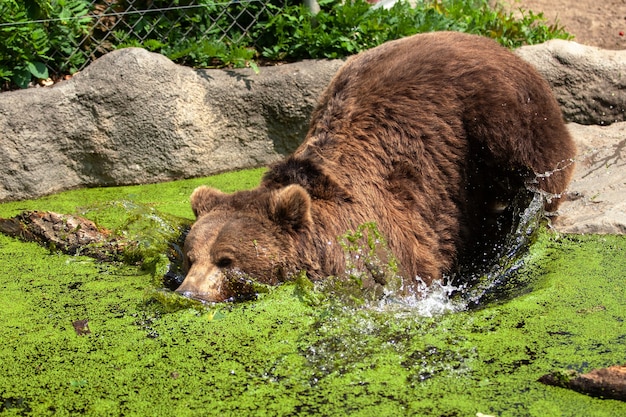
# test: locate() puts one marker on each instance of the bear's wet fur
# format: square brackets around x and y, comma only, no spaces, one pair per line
[423,136]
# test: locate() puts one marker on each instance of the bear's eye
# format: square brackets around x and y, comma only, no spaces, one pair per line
[224,262]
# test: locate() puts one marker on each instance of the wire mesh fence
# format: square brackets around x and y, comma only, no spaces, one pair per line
[91,28]
[175,23]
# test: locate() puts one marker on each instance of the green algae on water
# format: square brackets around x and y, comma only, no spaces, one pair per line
[291,352]
[170,198]
[150,221]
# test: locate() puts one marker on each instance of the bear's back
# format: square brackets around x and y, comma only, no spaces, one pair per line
[423,136]
[444,89]
[447,74]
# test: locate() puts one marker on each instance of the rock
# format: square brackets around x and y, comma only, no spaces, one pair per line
[136,117]
[596,197]
[588,82]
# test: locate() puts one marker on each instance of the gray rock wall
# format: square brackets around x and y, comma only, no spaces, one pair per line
[588,82]
[135,117]
[596,197]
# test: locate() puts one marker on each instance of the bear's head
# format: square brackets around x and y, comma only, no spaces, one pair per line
[243,238]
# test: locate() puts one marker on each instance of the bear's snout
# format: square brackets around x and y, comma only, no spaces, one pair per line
[204,282]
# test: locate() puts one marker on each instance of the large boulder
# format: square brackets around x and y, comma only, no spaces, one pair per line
[589,83]
[596,197]
[135,117]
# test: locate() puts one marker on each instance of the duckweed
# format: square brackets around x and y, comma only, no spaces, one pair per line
[292,351]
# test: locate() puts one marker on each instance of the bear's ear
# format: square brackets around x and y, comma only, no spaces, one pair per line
[203,199]
[291,207]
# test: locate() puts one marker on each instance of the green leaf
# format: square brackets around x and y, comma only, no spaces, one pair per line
[254,67]
[153,45]
[37,69]
[5,75]
[21,77]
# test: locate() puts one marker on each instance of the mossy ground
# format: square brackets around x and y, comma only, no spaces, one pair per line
[283,355]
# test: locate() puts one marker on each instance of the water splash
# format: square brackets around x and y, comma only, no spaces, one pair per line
[428,301]
[490,275]
[499,277]
[356,323]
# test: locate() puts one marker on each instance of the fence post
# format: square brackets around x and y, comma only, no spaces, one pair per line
[312,6]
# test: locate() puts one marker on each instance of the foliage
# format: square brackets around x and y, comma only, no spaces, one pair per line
[60,36]
[476,16]
[31,31]
[344,28]
[206,36]
[141,350]
[203,53]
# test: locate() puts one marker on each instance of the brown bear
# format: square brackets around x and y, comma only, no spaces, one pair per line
[422,135]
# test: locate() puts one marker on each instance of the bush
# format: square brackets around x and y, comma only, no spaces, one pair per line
[32,30]
[59,35]
[344,28]
[208,35]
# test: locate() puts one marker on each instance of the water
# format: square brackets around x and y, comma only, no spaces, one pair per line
[490,274]
[282,356]
[360,322]
[430,301]
[497,278]
[155,238]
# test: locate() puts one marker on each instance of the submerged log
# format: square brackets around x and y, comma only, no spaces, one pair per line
[69,234]
[605,383]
